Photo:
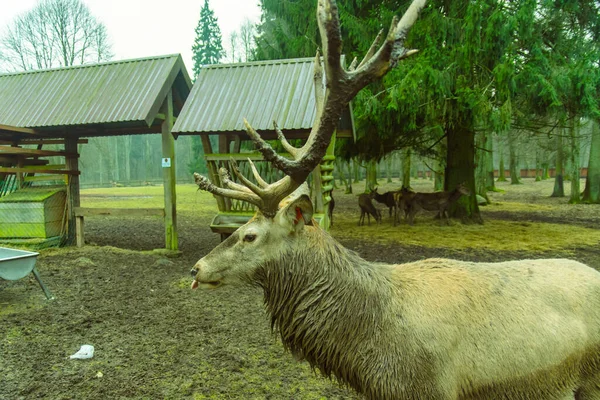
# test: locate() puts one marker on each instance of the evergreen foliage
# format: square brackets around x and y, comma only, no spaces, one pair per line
[208,47]
[484,65]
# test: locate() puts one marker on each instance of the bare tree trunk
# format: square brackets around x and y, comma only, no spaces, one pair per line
[388,168]
[398,164]
[591,194]
[349,180]
[545,166]
[575,168]
[515,176]
[55,33]
[440,166]
[406,164]
[592,182]
[371,176]
[501,168]
[559,188]
[356,171]
[538,165]
[490,184]
[543,160]
[339,166]
[481,163]
[460,169]
[414,170]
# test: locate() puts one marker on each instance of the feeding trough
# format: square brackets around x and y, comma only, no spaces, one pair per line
[17,264]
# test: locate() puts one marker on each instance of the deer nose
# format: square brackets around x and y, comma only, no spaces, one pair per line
[194,271]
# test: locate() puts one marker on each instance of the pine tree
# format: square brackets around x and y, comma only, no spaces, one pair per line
[484,65]
[208,47]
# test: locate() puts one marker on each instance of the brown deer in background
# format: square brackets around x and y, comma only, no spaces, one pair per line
[386,198]
[365,202]
[434,329]
[437,201]
[402,199]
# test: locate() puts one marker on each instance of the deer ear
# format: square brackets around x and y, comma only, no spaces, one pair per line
[296,213]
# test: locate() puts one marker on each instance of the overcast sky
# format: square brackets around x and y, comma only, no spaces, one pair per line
[141,28]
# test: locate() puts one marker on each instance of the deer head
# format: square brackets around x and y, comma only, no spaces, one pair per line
[463,189]
[277,224]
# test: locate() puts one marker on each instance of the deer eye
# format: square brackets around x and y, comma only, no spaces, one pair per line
[250,237]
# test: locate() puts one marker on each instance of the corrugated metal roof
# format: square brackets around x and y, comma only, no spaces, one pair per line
[261,92]
[120,91]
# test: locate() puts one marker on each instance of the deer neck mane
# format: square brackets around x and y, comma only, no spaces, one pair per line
[326,302]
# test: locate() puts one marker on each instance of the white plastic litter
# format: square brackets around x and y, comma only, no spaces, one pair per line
[86,351]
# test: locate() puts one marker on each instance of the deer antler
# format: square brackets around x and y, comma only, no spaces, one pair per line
[342,85]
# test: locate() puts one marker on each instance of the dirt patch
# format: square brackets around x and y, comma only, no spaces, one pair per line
[154,337]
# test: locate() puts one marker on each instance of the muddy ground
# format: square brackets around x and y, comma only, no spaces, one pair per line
[154,338]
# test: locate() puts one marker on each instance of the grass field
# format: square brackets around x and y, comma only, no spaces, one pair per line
[536,232]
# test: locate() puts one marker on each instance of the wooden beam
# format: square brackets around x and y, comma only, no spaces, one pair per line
[9,128]
[169,176]
[42,178]
[44,165]
[38,170]
[269,134]
[119,212]
[39,141]
[162,117]
[35,152]
[27,161]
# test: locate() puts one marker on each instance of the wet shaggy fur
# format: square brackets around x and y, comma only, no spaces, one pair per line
[438,328]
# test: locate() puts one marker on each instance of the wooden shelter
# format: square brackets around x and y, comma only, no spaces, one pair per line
[63,106]
[261,92]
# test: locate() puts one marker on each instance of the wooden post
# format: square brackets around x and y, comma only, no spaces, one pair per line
[169,177]
[20,178]
[72,161]
[80,239]
[212,170]
[223,144]
[224,149]
[237,143]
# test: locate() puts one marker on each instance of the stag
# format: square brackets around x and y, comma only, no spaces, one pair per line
[437,201]
[435,329]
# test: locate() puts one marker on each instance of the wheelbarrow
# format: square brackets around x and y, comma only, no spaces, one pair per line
[17,264]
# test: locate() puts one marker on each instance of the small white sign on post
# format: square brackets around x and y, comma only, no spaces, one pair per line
[166,162]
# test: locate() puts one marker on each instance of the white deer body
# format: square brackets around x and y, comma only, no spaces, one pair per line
[431,329]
